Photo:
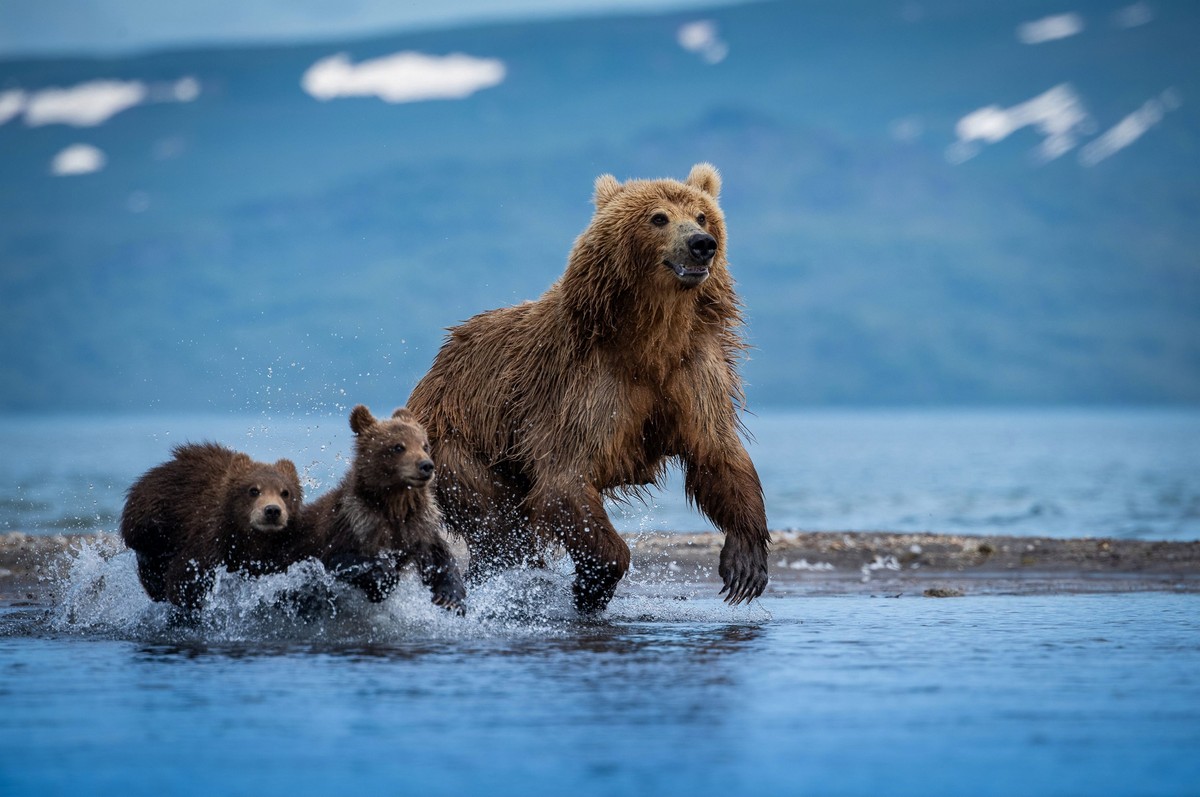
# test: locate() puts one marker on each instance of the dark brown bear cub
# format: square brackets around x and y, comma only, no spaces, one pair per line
[383,514]
[210,507]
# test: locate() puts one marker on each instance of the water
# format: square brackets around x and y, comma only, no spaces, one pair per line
[671,693]
[1063,473]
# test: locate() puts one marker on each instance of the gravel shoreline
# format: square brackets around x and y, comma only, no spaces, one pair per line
[935,565]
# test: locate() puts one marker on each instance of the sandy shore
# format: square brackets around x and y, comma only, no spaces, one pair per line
[936,565]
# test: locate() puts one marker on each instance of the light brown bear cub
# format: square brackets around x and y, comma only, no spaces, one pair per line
[628,362]
[210,507]
[384,514]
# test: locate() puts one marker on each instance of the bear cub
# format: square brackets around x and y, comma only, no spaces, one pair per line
[384,514]
[206,508]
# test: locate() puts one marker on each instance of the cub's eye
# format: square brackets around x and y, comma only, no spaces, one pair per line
[255,492]
[425,448]
[659,219]
[701,219]
[286,494]
[398,448]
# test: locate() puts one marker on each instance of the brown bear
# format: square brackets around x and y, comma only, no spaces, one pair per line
[206,508]
[384,513]
[627,362]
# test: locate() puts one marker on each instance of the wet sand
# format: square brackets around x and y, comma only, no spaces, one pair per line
[933,565]
[945,565]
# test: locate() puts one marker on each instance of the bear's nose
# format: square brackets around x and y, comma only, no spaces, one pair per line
[272,512]
[426,467]
[702,246]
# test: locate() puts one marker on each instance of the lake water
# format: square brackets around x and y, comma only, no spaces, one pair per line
[670,692]
[1062,473]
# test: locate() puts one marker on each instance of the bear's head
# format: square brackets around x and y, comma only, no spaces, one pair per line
[673,230]
[266,498]
[392,453]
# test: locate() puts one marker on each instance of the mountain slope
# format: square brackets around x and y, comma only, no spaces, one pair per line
[257,248]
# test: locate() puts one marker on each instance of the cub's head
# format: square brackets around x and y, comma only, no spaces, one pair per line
[265,497]
[392,453]
[674,230]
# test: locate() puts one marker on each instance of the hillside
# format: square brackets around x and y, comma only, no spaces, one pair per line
[249,246]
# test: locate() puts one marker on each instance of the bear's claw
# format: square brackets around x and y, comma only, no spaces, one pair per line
[743,570]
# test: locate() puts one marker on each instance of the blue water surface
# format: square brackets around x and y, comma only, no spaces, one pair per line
[676,695]
[670,692]
[1132,473]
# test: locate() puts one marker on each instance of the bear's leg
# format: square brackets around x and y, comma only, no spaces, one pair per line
[726,488]
[152,572]
[482,506]
[376,576]
[189,582]
[580,523]
[439,572]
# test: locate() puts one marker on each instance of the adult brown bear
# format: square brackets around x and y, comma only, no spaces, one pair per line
[627,362]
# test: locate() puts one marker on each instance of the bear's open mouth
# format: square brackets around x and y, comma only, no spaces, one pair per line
[688,275]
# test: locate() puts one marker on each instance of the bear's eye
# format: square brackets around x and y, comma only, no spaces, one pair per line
[701,219]
[254,492]
[286,494]
[659,219]
[398,448]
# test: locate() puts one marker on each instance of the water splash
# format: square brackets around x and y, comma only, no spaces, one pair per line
[97,593]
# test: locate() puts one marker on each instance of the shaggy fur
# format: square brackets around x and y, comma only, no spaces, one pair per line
[384,513]
[207,508]
[627,362]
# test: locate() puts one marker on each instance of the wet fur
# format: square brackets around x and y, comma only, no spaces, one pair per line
[195,514]
[384,514]
[538,411]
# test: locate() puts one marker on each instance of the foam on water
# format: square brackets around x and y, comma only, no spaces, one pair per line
[97,593]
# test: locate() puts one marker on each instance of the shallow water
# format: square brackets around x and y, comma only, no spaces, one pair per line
[671,692]
[1062,473]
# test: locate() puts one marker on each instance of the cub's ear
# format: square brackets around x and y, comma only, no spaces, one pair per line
[705,177]
[607,187]
[404,414]
[288,468]
[361,419]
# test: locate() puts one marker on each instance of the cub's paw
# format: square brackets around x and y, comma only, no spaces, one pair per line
[449,592]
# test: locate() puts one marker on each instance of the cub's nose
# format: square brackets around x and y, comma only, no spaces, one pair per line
[702,246]
[272,513]
[426,467]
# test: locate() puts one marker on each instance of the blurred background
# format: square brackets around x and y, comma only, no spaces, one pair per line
[279,206]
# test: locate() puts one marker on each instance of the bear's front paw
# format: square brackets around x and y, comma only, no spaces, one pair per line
[743,568]
[450,594]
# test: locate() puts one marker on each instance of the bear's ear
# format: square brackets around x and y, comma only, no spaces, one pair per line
[404,414]
[705,177]
[361,419]
[287,468]
[607,187]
